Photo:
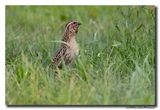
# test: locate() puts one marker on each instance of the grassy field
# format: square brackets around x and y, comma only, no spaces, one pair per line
[116,65]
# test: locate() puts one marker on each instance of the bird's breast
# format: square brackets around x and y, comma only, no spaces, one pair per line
[74,47]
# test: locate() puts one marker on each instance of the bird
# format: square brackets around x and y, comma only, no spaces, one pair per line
[69,48]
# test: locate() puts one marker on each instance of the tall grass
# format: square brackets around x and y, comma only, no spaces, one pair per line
[116,65]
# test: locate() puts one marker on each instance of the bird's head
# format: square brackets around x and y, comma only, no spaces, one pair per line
[72,26]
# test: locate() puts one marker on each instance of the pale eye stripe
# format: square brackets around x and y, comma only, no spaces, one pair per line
[69,24]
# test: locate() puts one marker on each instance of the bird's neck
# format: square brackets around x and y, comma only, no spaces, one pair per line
[69,36]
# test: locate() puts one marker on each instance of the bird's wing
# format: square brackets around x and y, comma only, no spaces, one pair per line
[60,54]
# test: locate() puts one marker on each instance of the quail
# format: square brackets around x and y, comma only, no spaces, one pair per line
[69,48]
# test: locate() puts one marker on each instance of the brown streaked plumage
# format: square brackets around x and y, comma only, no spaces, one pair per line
[69,47]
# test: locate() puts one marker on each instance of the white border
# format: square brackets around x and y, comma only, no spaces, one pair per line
[2,56]
[62,2]
[81,2]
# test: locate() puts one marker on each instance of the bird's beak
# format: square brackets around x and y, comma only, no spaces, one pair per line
[79,24]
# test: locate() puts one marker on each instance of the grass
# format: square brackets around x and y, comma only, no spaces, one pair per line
[116,65]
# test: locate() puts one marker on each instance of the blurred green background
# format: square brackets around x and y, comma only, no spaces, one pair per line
[116,65]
